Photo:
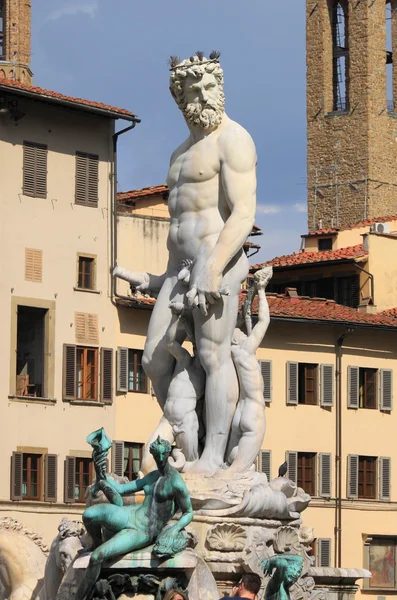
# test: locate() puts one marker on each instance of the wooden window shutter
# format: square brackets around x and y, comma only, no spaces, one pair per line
[33,265]
[327,385]
[70,479]
[35,170]
[292,462]
[86,179]
[86,328]
[325,474]
[292,383]
[69,372]
[353,387]
[122,370]
[264,463]
[386,389]
[118,458]
[385,472]
[352,476]
[107,375]
[50,477]
[266,372]
[16,475]
[323,552]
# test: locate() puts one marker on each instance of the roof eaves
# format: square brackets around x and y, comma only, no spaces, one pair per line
[337,323]
[72,104]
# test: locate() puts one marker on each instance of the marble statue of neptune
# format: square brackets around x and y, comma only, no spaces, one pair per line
[212,199]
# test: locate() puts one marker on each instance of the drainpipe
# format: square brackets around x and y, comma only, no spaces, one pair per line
[113,208]
[338,446]
[372,294]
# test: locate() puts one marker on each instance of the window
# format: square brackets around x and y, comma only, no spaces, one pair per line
[367,477]
[86,179]
[137,381]
[363,480]
[83,478]
[35,170]
[86,373]
[29,471]
[324,244]
[340,59]
[132,460]
[33,265]
[307,384]
[31,476]
[347,290]
[81,374]
[86,273]
[367,387]
[30,364]
[370,388]
[380,557]
[307,472]
[308,468]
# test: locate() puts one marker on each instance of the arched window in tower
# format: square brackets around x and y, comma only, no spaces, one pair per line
[340,55]
[2,20]
[390,10]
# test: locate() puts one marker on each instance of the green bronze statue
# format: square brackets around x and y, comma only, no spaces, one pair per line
[285,570]
[140,525]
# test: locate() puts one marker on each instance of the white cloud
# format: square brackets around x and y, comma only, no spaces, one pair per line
[300,207]
[87,8]
[268,209]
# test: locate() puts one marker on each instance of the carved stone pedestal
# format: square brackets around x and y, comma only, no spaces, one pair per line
[187,567]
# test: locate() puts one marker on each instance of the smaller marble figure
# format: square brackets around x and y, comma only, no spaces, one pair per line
[187,385]
[248,426]
[285,570]
[140,525]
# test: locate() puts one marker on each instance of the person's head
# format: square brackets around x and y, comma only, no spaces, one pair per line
[196,85]
[175,595]
[160,450]
[248,586]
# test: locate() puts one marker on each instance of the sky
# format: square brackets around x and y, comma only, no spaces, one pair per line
[116,52]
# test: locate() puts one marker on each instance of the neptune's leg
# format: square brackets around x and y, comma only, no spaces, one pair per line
[114,518]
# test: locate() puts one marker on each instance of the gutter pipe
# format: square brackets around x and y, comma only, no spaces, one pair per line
[338,449]
[113,209]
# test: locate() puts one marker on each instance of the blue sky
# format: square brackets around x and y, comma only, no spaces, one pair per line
[116,52]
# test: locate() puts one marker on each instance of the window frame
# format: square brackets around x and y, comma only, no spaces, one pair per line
[303,379]
[94,379]
[28,470]
[363,401]
[49,345]
[130,446]
[364,474]
[302,468]
[82,460]
[93,283]
[321,242]
[134,352]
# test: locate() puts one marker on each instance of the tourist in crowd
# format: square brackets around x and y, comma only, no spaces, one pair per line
[175,594]
[248,587]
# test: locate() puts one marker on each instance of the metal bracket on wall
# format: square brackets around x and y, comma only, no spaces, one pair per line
[371,3]
[357,3]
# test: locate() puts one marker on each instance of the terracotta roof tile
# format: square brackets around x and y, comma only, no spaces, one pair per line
[301,308]
[79,102]
[390,312]
[146,191]
[306,257]
[330,230]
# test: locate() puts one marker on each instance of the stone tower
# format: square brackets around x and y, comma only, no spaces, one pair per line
[15,26]
[351,110]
